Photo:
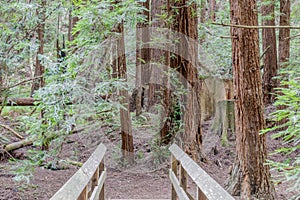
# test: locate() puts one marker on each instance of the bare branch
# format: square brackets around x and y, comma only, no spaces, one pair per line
[255,27]
[12,130]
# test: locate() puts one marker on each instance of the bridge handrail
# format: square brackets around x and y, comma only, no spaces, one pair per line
[207,187]
[88,181]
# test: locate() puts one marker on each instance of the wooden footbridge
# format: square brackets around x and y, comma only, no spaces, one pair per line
[88,182]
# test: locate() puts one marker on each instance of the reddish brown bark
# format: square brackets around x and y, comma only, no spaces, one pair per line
[284,33]
[145,51]
[72,22]
[284,45]
[270,52]
[126,127]
[186,24]
[250,177]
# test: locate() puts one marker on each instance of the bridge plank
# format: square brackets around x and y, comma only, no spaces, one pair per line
[76,184]
[210,188]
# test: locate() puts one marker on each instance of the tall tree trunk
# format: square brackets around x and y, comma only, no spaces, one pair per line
[39,68]
[203,12]
[159,85]
[142,35]
[284,45]
[126,126]
[72,22]
[186,24]
[284,33]
[270,52]
[145,51]
[212,10]
[250,177]
[157,56]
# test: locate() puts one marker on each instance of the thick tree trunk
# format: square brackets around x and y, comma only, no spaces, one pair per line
[39,68]
[126,126]
[270,56]
[250,177]
[186,24]
[159,85]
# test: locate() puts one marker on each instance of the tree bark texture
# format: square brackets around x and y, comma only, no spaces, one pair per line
[126,126]
[138,72]
[39,68]
[159,85]
[186,24]
[145,51]
[72,22]
[250,177]
[142,57]
[270,56]
[284,33]
[284,45]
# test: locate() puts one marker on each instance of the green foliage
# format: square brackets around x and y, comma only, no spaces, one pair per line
[23,169]
[288,132]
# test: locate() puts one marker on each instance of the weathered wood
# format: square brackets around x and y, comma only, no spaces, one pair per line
[77,185]
[210,188]
[183,178]
[179,190]
[200,195]
[12,130]
[174,169]
[101,170]
[19,102]
[97,190]
[17,145]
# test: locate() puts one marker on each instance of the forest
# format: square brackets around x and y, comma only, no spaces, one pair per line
[220,79]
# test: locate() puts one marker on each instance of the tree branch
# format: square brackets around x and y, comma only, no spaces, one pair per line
[12,130]
[255,27]
[20,83]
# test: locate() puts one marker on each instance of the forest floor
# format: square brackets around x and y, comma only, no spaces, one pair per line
[147,179]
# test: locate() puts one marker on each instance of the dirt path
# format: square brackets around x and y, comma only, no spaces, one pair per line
[130,185]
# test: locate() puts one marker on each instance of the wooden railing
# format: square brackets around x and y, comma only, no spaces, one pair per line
[87,182]
[183,166]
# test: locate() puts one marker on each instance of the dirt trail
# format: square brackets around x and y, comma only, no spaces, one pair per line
[131,185]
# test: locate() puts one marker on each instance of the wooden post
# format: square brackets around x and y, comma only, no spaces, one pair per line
[183,178]
[95,179]
[84,194]
[174,169]
[200,195]
[101,170]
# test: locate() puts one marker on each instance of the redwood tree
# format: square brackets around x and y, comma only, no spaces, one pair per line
[284,44]
[250,176]
[284,33]
[126,126]
[186,24]
[39,68]
[270,51]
